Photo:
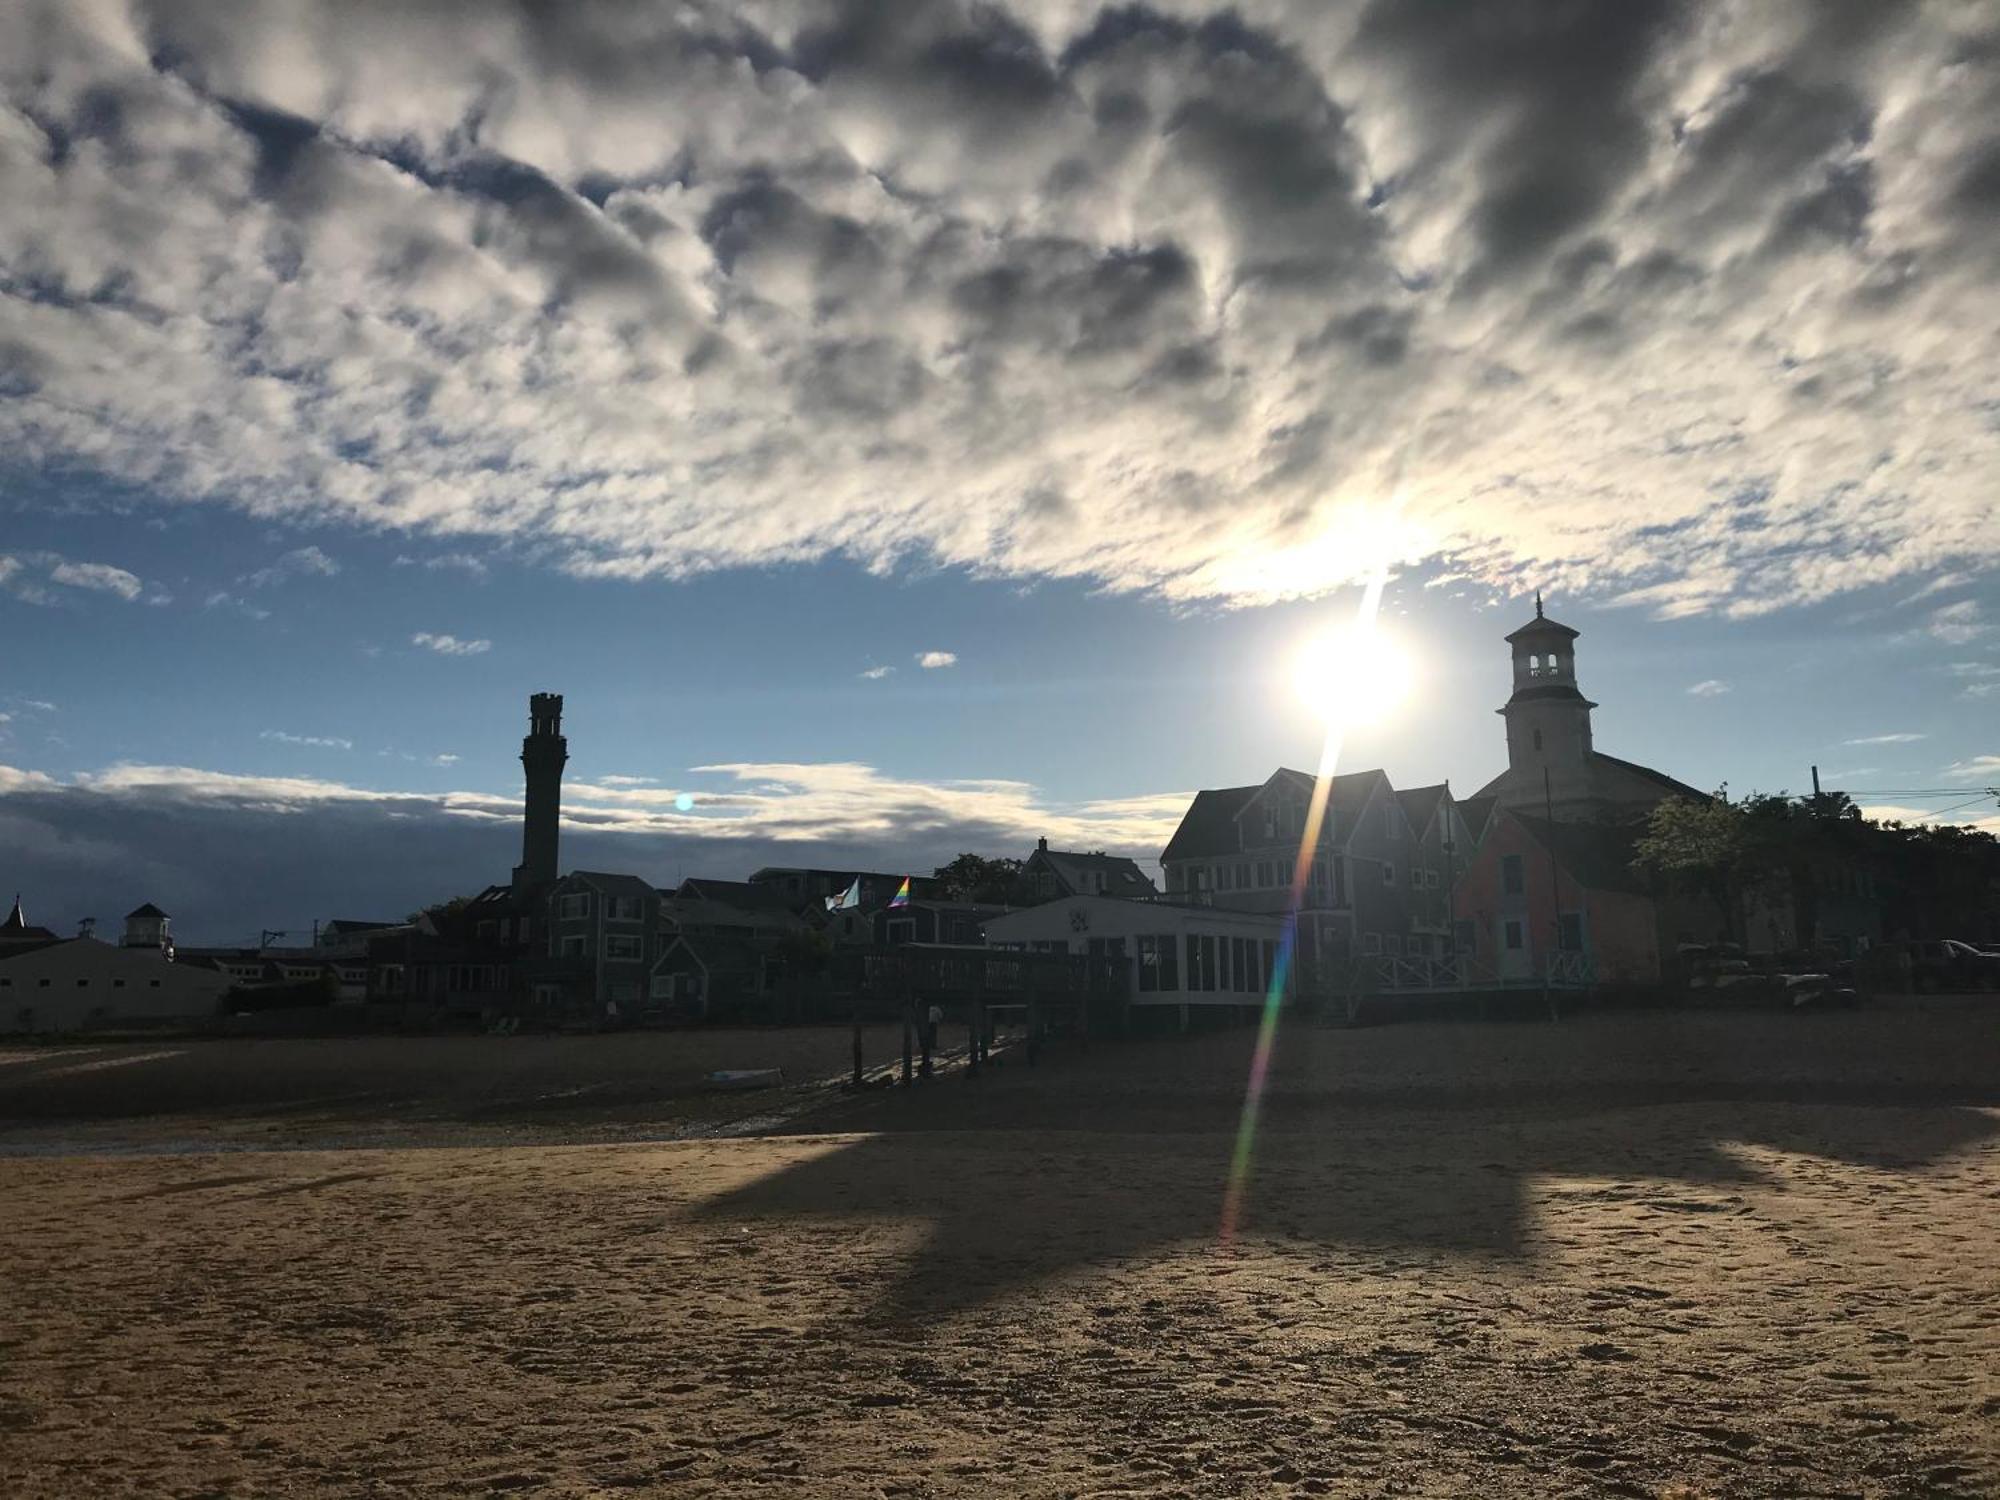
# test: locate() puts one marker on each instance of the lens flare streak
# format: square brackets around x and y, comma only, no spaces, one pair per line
[1267,1025]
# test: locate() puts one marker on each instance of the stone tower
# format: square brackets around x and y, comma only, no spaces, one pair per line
[1548,719]
[544,753]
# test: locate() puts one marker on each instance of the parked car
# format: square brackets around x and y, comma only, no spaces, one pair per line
[1931,964]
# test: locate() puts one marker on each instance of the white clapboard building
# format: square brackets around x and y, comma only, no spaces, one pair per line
[1176,955]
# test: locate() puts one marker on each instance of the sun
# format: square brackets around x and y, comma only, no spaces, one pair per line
[1351,675]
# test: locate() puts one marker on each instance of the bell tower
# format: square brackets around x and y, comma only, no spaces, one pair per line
[544,753]
[1548,718]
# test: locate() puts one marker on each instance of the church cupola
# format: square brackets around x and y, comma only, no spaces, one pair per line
[1548,719]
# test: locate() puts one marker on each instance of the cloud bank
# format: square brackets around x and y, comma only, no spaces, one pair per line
[1692,304]
[227,854]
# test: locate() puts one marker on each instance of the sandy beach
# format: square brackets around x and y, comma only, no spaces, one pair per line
[1648,1254]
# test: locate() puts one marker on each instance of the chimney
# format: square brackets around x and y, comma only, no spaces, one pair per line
[544,753]
[1042,846]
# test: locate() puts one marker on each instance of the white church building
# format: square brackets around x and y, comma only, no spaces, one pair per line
[1554,769]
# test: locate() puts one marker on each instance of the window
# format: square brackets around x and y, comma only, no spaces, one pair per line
[1270,964]
[663,986]
[623,947]
[1225,976]
[572,947]
[1243,876]
[153,983]
[573,908]
[905,931]
[1200,961]
[1513,934]
[1170,969]
[623,908]
[1223,881]
[487,931]
[1393,944]
[1241,952]
[1569,932]
[1538,739]
[1513,875]
[1371,943]
[83,984]
[1388,874]
[1157,970]
[1465,936]
[1417,879]
[41,984]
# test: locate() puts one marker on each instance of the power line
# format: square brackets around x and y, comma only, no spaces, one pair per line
[1943,812]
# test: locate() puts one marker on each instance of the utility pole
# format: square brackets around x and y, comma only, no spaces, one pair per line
[1816,793]
[1555,894]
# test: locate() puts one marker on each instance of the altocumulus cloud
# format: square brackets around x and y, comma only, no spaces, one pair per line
[39,577]
[449,645]
[1212,304]
[238,852]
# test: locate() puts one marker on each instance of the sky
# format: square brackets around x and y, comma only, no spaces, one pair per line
[900,429]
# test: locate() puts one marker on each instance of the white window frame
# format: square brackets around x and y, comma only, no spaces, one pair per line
[1371,944]
[1388,872]
[636,942]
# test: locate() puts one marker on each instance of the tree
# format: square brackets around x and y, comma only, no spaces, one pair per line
[439,912]
[972,877]
[1704,846]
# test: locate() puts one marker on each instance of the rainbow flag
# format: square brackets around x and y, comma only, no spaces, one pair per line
[902,896]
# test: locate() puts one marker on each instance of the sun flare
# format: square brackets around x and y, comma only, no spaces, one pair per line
[1352,675]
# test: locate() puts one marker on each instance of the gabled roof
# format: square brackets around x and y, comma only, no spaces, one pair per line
[1209,824]
[1658,778]
[16,930]
[1122,876]
[1208,827]
[148,910]
[613,885]
[738,893]
[1477,813]
[1420,805]
[1595,855]
[714,953]
[1345,798]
